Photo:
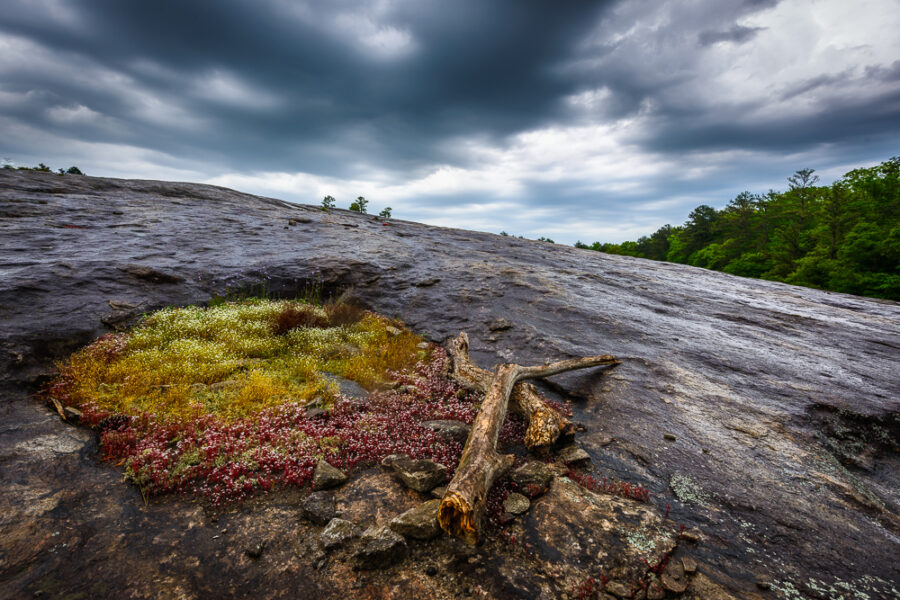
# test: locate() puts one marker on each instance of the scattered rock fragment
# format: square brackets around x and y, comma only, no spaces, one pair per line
[428,282]
[348,388]
[673,578]
[456,430]
[439,491]
[327,477]
[670,436]
[619,589]
[420,522]
[337,533]
[392,330]
[516,504]
[689,564]
[655,591]
[533,473]
[500,324]
[388,461]
[691,535]
[313,413]
[319,507]
[421,475]
[121,304]
[255,551]
[380,547]
[763,582]
[573,455]
[72,414]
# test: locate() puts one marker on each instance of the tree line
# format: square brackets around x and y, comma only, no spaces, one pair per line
[844,237]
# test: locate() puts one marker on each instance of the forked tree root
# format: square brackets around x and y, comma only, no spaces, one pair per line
[462,509]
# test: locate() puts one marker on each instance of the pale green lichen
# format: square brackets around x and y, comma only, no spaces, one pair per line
[867,587]
[648,541]
[687,490]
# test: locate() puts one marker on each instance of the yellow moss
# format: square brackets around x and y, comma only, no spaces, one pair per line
[227,360]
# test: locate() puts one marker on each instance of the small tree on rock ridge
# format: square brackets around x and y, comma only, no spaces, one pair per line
[360,205]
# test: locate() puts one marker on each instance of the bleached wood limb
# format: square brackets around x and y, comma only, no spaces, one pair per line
[462,509]
[544,424]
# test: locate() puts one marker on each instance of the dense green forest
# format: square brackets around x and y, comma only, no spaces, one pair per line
[844,237]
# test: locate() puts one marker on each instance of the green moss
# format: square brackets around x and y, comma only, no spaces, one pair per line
[229,360]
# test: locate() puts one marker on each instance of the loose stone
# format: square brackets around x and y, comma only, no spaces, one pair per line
[337,533]
[573,455]
[500,324]
[420,522]
[380,548]
[455,430]
[388,461]
[319,507]
[617,588]
[516,504]
[421,475]
[533,473]
[326,476]
[691,535]
[255,551]
[673,577]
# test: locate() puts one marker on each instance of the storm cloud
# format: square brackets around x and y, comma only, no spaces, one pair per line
[577,120]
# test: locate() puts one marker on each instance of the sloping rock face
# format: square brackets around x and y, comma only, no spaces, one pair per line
[764,415]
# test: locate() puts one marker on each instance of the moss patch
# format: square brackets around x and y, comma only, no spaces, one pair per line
[211,401]
[231,361]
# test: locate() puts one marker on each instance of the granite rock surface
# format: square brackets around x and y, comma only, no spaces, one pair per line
[764,415]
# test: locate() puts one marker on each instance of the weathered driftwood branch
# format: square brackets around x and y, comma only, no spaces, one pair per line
[544,424]
[462,509]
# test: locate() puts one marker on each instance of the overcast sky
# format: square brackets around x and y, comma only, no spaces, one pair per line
[573,120]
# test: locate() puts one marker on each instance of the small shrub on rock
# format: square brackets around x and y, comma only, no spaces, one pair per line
[340,314]
[293,317]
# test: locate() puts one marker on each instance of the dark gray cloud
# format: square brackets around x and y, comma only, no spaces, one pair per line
[737,34]
[473,67]
[632,110]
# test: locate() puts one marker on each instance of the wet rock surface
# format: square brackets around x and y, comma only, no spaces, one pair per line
[781,405]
